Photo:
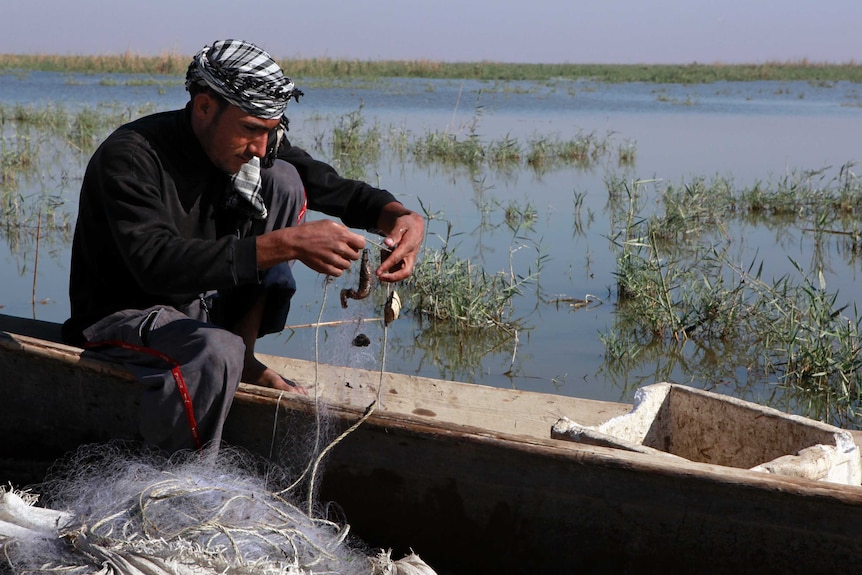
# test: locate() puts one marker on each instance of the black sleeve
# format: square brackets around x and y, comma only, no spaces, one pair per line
[356,203]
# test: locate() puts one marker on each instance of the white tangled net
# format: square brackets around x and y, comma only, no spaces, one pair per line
[118,514]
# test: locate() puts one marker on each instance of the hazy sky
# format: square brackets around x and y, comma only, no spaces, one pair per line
[591,31]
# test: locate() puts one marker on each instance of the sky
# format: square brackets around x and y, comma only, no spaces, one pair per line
[535,31]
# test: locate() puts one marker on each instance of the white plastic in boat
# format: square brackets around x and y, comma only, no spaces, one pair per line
[678,421]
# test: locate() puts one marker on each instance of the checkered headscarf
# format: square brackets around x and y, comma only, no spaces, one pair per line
[245,76]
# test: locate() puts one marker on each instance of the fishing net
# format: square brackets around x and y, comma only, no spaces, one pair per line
[123,509]
[111,510]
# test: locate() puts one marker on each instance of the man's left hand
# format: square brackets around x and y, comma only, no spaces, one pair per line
[404,233]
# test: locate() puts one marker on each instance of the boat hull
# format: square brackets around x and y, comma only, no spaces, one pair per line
[463,475]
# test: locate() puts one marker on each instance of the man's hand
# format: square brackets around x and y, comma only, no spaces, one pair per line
[326,246]
[404,233]
[329,247]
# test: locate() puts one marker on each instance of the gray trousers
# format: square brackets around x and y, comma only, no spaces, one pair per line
[190,362]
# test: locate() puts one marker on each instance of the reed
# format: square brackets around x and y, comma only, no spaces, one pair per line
[818,200]
[39,215]
[582,151]
[349,143]
[541,154]
[449,149]
[447,288]
[172,63]
[14,161]
[626,154]
[676,285]
[354,146]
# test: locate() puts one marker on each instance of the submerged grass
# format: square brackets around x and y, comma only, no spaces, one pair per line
[677,285]
[582,151]
[445,287]
[354,147]
[32,141]
[819,200]
[82,128]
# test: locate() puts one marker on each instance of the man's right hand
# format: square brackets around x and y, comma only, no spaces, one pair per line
[326,246]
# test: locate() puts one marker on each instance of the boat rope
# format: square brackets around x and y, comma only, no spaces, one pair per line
[177,373]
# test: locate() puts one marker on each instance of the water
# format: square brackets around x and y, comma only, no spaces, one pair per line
[746,131]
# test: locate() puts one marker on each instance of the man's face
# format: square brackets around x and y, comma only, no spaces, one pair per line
[229,136]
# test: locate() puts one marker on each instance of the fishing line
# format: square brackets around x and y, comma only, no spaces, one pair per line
[377,245]
[317,419]
[368,411]
[275,425]
[317,433]
[314,464]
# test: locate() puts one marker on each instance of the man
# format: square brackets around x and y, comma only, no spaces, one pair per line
[183,244]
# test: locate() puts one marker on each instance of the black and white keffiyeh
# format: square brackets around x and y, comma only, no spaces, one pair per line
[245,194]
[245,75]
[251,80]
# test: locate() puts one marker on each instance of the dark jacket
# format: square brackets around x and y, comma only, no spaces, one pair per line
[152,229]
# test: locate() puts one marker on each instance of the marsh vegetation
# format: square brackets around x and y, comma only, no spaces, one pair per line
[541,242]
[679,284]
[175,64]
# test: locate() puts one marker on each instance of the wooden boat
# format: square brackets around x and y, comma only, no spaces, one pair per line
[467,476]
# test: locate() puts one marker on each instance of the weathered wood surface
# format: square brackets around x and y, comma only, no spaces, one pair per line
[468,476]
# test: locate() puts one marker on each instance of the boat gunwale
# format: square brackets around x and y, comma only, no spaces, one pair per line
[577,454]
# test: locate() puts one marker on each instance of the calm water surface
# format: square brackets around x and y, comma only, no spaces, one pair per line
[746,131]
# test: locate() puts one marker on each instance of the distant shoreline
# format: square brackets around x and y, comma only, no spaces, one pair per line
[695,73]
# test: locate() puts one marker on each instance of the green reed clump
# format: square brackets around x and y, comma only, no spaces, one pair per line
[51,118]
[448,288]
[626,154]
[687,290]
[32,139]
[82,129]
[27,221]
[792,331]
[816,198]
[504,153]
[805,194]
[445,287]
[354,146]
[692,208]
[519,216]
[88,127]
[541,154]
[350,138]
[815,348]
[582,151]
[449,149]
[15,161]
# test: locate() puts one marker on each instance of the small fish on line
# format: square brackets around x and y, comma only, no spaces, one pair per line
[365,277]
